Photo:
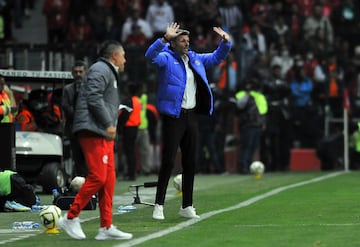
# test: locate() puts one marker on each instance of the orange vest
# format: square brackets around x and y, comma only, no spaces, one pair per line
[57,112]
[5,108]
[153,109]
[54,114]
[333,86]
[134,117]
[26,120]
[223,74]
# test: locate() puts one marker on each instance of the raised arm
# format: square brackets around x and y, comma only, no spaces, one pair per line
[222,33]
[171,32]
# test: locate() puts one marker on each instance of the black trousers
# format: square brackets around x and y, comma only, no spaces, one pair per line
[21,192]
[178,132]
[129,135]
[78,156]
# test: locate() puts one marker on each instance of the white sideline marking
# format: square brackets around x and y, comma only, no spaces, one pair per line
[296,225]
[215,212]
[29,233]
[10,231]
[20,237]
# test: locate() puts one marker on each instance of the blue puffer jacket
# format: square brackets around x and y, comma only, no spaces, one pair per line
[172,76]
[301,92]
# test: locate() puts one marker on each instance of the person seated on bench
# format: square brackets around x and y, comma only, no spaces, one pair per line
[15,194]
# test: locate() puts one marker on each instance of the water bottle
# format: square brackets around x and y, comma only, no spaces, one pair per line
[38,201]
[17,225]
[126,209]
[36,208]
[25,225]
[55,193]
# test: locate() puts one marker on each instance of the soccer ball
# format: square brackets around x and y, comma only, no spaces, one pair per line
[76,183]
[50,216]
[257,167]
[178,182]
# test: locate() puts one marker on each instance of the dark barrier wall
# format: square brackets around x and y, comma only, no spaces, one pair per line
[7,146]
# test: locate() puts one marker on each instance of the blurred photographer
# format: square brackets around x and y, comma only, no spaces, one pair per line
[252,108]
[275,151]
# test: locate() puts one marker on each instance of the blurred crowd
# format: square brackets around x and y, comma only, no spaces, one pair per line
[302,55]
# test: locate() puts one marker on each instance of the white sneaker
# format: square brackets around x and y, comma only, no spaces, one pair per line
[72,227]
[12,206]
[188,212]
[158,213]
[112,233]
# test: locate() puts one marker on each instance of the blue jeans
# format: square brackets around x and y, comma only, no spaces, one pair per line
[249,142]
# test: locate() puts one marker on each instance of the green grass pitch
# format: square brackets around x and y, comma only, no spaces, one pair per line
[312,209]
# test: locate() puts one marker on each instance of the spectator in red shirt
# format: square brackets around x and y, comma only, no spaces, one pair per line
[55,12]
[136,37]
[80,30]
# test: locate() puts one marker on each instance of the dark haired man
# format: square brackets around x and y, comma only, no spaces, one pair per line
[183,91]
[95,121]
[70,94]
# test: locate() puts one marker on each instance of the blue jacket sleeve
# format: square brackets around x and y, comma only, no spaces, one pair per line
[216,57]
[153,53]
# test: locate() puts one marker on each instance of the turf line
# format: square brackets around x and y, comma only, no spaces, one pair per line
[20,237]
[215,212]
[297,225]
[33,232]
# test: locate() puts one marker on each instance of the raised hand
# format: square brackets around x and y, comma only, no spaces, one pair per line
[222,33]
[171,31]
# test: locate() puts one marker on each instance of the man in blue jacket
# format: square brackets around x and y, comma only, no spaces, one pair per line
[183,91]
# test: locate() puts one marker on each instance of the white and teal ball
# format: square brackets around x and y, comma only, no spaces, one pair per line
[257,167]
[178,182]
[49,216]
